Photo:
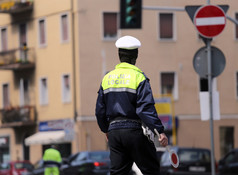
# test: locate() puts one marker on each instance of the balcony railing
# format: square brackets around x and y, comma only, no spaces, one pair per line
[17,59]
[15,6]
[18,116]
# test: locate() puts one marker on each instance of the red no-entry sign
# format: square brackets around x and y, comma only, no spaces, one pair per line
[210,20]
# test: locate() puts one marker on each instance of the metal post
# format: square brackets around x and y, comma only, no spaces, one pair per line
[209,59]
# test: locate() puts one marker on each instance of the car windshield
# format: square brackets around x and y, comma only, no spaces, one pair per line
[99,155]
[232,157]
[194,155]
[39,164]
[4,166]
[22,165]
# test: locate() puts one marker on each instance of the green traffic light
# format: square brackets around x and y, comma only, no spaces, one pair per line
[130,20]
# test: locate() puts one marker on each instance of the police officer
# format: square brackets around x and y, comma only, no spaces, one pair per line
[124,102]
[52,161]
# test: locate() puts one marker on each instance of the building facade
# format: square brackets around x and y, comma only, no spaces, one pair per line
[53,55]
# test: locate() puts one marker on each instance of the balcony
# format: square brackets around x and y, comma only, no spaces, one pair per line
[17,59]
[18,116]
[15,6]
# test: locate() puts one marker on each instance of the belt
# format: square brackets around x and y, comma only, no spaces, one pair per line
[124,123]
[126,120]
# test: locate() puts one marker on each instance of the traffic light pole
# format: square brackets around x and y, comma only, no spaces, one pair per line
[163,8]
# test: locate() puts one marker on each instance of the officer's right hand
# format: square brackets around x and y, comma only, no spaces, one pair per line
[163,140]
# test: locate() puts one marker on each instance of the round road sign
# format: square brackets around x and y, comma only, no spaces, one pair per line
[210,20]
[200,62]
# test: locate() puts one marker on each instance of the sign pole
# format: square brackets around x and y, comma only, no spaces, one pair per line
[209,59]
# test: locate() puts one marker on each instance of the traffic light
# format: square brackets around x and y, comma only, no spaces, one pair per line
[130,14]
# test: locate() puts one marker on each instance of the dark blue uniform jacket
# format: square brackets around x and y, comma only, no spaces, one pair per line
[129,103]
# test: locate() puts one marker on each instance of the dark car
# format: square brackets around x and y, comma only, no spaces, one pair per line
[88,163]
[39,167]
[192,161]
[228,165]
[15,167]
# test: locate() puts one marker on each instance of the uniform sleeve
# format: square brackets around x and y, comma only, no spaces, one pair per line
[101,112]
[145,108]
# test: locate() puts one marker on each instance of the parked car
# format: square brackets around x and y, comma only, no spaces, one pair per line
[88,163]
[228,165]
[192,161]
[38,167]
[15,167]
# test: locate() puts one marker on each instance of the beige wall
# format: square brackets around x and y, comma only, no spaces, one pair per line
[54,60]
[36,153]
[197,133]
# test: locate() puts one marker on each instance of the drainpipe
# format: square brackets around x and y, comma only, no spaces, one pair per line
[74,73]
[73,62]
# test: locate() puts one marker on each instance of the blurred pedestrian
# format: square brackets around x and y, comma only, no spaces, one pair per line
[52,161]
[125,102]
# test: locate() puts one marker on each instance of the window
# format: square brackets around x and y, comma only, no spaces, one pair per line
[5,95]
[169,84]
[65,88]
[236,27]
[194,155]
[232,157]
[22,34]
[110,25]
[80,157]
[203,84]
[43,91]
[3,39]
[226,139]
[24,92]
[64,26]
[23,42]
[166,26]
[42,32]
[5,151]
